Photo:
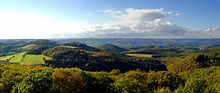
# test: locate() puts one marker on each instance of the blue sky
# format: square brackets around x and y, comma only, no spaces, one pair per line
[192,14]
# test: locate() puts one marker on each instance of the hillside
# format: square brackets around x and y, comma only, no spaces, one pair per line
[185,43]
[38,46]
[97,61]
[109,68]
[110,48]
[81,46]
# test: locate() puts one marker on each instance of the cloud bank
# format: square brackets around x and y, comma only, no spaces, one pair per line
[142,23]
[128,23]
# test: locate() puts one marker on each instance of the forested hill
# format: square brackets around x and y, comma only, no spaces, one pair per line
[135,42]
[111,48]
[128,42]
[49,66]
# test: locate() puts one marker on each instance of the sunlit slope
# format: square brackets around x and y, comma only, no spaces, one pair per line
[13,58]
[31,59]
[141,55]
[26,59]
[17,57]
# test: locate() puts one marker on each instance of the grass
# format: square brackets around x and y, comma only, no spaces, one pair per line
[30,46]
[140,55]
[17,57]
[31,59]
[68,46]
[6,57]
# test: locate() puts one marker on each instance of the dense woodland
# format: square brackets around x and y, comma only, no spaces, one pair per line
[76,67]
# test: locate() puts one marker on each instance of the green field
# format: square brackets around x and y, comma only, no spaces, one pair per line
[30,46]
[17,57]
[141,55]
[68,46]
[26,59]
[31,59]
[6,57]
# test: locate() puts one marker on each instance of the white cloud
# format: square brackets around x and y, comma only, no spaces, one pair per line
[136,23]
[111,12]
[178,13]
[213,29]
[212,32]
[144,23]
[132,23]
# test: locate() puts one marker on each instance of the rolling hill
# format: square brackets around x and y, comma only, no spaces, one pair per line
[110,48]
[81,46]
[38,46]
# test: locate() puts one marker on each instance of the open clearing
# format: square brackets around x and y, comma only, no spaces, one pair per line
[68,46]
[4,58]
[140,55]
[30,46]
[26,59]
[17,57]
[31,59]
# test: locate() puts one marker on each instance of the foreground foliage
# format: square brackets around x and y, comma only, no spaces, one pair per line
[109,69]
[38,79]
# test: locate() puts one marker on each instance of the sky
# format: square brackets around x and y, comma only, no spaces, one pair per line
[42,19]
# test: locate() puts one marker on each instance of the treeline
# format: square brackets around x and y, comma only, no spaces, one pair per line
[98,61]
[107,69]
[190,60]
[36,79]
[75,54]
[13,46]
[81,46]
[38,46]
[156,52]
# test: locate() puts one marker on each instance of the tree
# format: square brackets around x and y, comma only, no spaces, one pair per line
[39,82]
[67,82]
[132,82]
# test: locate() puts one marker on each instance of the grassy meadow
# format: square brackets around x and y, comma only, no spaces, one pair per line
[17,57]
[26,59]
[31,59]
[141,55]
[6,57]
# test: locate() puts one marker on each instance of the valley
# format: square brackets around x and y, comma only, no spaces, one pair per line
[171,67]
[109,46]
